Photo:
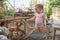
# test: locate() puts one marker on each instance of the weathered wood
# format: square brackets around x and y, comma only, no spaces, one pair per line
[55,29]
[7,20]
[10,19]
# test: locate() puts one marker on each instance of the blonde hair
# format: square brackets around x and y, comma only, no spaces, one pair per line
[39,5]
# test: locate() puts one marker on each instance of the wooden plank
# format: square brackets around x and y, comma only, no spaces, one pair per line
[9,19]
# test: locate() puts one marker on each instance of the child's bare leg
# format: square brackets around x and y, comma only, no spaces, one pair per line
[37,29]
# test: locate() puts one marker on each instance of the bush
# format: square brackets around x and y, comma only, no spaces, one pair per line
[1,13]
[10,12]
[50,4]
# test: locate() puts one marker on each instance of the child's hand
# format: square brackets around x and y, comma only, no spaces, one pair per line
[27,20]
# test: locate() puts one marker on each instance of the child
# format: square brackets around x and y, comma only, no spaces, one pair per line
[40,21]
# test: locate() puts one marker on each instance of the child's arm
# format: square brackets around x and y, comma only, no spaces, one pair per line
[31,18]
[44,20]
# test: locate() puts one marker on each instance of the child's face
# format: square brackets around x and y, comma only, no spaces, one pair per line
[38,9]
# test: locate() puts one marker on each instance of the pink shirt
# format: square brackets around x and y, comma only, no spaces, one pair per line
[39,19]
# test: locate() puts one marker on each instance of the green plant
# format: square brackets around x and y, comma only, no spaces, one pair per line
[3,0]
[2,11]
[48,10]
[10,12]
[50,4]
[55,3]
[33,3]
